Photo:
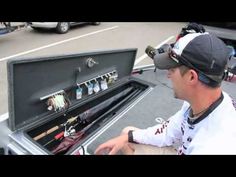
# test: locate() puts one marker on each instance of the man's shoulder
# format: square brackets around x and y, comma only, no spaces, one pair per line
[228,104]
[230,99]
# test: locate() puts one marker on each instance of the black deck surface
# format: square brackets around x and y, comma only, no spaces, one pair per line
[158,103]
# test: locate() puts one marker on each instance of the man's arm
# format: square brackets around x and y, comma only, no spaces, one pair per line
[161,135]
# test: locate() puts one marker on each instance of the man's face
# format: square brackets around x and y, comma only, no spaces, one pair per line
[178,82]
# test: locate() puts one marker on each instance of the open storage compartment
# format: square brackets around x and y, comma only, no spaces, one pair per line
[57,103]
[85,119]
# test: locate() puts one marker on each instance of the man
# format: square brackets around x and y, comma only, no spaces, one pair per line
[206,122]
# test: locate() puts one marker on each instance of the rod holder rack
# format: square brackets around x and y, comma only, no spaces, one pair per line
[95,78]
[52,94]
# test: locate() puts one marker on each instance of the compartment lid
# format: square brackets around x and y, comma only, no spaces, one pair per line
[31,79]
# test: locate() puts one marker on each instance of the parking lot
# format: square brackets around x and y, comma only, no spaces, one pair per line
[29,43]
[158,101]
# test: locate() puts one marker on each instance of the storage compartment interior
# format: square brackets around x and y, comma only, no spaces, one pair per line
[69,130]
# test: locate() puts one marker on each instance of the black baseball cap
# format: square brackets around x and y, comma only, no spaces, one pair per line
[203,52]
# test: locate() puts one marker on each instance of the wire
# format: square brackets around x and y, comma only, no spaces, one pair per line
[83,150]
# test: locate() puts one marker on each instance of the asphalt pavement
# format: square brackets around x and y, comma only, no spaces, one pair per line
[29,43]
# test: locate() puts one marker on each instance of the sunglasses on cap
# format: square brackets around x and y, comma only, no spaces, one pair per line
[201,76]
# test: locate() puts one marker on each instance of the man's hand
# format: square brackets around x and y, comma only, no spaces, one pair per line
[112,146]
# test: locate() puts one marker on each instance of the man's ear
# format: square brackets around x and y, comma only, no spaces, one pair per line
[193,76]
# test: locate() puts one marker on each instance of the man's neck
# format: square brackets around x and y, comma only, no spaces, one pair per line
[203,99]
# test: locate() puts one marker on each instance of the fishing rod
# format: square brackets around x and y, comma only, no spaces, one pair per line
[118,105]
[69,141]
[49,131]
[84,116]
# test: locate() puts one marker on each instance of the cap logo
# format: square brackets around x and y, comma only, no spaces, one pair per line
[212,63]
